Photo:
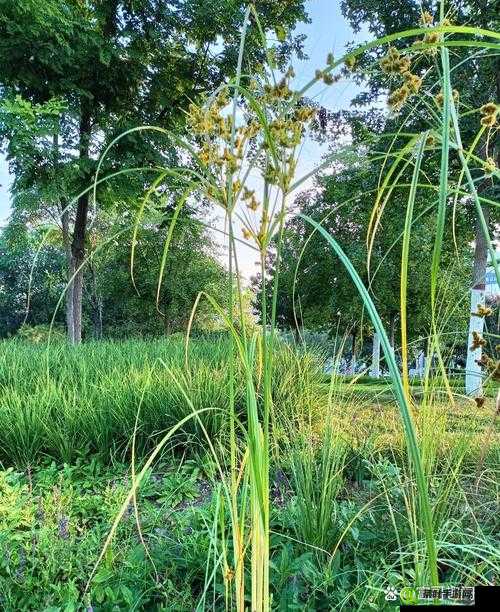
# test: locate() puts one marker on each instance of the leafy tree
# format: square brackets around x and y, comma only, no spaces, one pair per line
[32,279]
[111,66]
[317,293]
[28,294]
[345,198]
[476,76]
[191,267]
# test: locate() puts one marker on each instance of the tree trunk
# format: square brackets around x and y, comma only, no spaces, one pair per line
[77,261]
[69,274]
[167,325]
[473,377]
[96,305]
[67,246]
[80,229]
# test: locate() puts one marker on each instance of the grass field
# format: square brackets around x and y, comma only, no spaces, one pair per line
[344,524]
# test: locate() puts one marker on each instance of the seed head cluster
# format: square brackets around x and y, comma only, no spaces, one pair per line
[426,19]
[483,311]
[325,75]
[490,364]
[350,62]
[489,113]
[477,341]
[439,98]
[430,38]
[268,140]
[489,166]
[394,63]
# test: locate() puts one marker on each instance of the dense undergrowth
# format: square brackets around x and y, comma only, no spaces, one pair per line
[343,523]
[61,401]
[54,520]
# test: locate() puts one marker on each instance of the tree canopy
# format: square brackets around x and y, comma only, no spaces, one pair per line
[76,74]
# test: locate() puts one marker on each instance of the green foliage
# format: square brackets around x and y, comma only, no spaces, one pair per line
[54,517]
[40,334]
[229,404]
[25,121]
[33,278]
[53,522]
[26,296]
[130,308]
[317,468]
[60,401]
[74,75]
[315,294]
[474,78]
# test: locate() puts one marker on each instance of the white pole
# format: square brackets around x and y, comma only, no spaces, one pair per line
[473,379]
[375,370]
[421,364]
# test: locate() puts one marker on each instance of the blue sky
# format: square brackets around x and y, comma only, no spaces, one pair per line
[328,31]
[4,189]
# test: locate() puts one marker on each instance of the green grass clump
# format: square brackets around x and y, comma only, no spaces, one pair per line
[67,402]
[64,402]
[252,406]
[339,482]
